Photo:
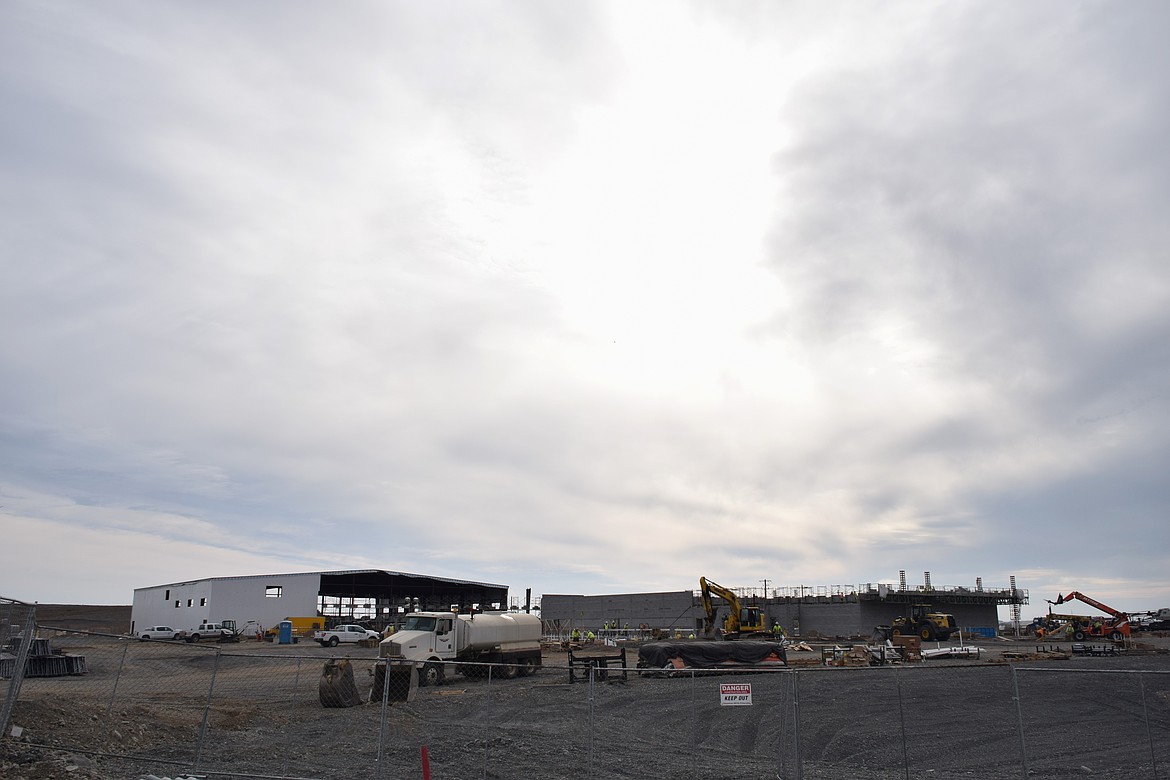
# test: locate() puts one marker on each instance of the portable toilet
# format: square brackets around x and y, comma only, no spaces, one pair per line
[285,632]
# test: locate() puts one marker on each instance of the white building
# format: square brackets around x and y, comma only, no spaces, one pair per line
[371,596]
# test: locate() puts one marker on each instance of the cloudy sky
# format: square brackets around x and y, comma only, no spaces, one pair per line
[589,297]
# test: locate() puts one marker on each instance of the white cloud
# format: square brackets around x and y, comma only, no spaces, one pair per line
[589,299]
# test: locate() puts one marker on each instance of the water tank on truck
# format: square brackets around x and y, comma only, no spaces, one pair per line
[505,644]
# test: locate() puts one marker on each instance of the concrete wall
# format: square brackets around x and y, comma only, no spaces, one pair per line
[832,619]
[838,617]
[657,610]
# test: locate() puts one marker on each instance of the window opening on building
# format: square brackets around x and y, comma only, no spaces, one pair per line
[273,591]
[177,602]
[190,602]
[203,602]
[351,608]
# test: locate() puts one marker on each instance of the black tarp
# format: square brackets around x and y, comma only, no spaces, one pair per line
[707,655]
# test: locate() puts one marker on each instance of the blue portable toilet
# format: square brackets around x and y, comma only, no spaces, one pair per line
[286,632]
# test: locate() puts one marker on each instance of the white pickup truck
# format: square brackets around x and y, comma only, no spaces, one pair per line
[341,634]
[216,632]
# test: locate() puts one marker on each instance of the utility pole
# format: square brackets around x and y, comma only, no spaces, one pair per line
[765,581]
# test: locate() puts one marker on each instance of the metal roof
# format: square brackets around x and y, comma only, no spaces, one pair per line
[339,573]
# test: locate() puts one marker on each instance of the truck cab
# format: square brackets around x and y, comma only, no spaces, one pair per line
[445,636]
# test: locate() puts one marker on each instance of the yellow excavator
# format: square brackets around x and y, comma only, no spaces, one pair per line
[741,620]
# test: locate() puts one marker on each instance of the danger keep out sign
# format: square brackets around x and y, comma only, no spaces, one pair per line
[733,694]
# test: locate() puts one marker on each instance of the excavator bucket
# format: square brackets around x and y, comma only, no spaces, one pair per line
[337,687]
[402,684]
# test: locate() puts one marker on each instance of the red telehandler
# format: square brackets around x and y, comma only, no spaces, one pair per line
[1115,627]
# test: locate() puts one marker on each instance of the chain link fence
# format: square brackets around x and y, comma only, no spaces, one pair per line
[135,709]
[17,620]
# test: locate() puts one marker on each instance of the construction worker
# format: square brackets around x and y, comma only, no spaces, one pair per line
[591,636]
[576,635]
[777,630]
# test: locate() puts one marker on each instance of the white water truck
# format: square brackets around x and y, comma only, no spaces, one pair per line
[504,644]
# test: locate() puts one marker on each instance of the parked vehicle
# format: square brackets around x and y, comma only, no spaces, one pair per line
[922,623]
[1154,620]
[1115,627]
[926,625]
[160,632]
[350,634]
[507,643]
[213,632]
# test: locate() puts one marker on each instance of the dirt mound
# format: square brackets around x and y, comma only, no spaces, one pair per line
[98,618]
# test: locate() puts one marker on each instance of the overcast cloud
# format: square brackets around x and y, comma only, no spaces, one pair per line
[587,298]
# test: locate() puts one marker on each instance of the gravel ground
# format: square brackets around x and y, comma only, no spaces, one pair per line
[141,709]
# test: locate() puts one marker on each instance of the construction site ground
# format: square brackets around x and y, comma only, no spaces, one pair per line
[957,711]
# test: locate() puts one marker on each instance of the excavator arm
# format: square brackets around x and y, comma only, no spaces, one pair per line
[706,590]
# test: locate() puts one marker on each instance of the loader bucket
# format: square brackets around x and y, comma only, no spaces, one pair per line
[403,682]
[337,687]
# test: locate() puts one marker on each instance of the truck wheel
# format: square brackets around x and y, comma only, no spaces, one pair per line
[1115,636]
[1079,636]
[333,641]
[529,667]
[927,633]
[194,638]
[431,674]
[507,671]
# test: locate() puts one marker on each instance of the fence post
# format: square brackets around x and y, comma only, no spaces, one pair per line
[385,706]
[30,630]
[1149,732]
[589,751]
[902,720]
[783,730]
[487,741]
[296,687]
[694,727]
[796,723]
[1020,720]
[206,713]
[118,676]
